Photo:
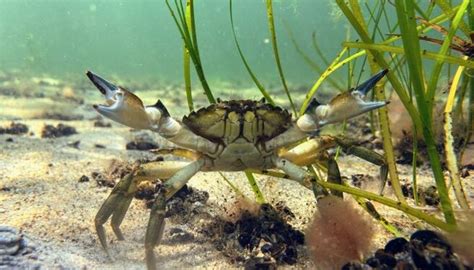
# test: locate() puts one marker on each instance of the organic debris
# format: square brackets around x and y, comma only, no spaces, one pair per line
[425,250]
[181,207]
[116,171]
[427,195]
[142,142]
[14,129]
[49,131]
[259,240]
[360,179]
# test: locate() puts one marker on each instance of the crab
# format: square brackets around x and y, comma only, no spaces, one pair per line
[232,135]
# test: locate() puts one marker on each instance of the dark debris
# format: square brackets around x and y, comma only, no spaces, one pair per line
[49,131]
[426,195]
[425,250]
[14,129]
[116,171]
[260,241]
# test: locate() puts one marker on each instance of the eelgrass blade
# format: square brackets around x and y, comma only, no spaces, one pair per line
[247,66]
[271,26]
[382,112]
[186,66]
[446,7]
[335,65]
[318,50]
[232,186]
[398,50]
[256,190]
[414,165]
[405,99]
[316,67]
[433,82]
[390,203]
[398,87]
[377,198]
[406,17]
[370,208]
[188,41]
[448,143]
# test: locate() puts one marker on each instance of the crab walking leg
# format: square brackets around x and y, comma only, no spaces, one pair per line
[307,152]
[156,222]
[299,175]
[368,155]
[116,205]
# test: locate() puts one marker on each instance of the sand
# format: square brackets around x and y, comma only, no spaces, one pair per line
[40,193]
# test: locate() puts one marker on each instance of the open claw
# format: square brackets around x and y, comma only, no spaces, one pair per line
[126,108]
[343,106]
[122,105]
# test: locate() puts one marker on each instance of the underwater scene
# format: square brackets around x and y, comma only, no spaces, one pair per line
[230,134]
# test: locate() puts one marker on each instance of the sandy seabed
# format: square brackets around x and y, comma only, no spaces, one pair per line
[41,195]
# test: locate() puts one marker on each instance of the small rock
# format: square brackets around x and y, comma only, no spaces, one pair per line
[83,179]
[101,123]
[142,146]
[74,144]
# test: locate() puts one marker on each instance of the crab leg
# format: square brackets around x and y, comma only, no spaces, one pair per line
[116,205]
[156,223]
[366,154]
[296,173]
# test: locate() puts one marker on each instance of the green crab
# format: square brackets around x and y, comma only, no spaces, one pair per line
[232,135]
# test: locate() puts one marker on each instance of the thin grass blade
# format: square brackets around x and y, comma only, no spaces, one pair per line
[448,143]
[271,26]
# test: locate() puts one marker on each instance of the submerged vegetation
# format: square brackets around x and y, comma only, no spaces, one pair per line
[416,76]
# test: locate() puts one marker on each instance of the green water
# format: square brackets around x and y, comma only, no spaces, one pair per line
[139,39]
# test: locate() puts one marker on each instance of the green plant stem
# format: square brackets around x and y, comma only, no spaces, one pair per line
[256,190]
[448,144]
[377,198]
[378,57]
[247,66]
[186,66]
[414,164]
[433,82]
[417,118]
[406,16]
[271,26]
[335,65]
[391,203]
[190,46]
[383,116]
[309,61]
[399,50]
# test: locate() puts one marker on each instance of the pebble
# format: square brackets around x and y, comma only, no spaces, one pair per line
[9,240]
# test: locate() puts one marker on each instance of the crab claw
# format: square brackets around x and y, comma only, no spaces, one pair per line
[343,106]
[126,108]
